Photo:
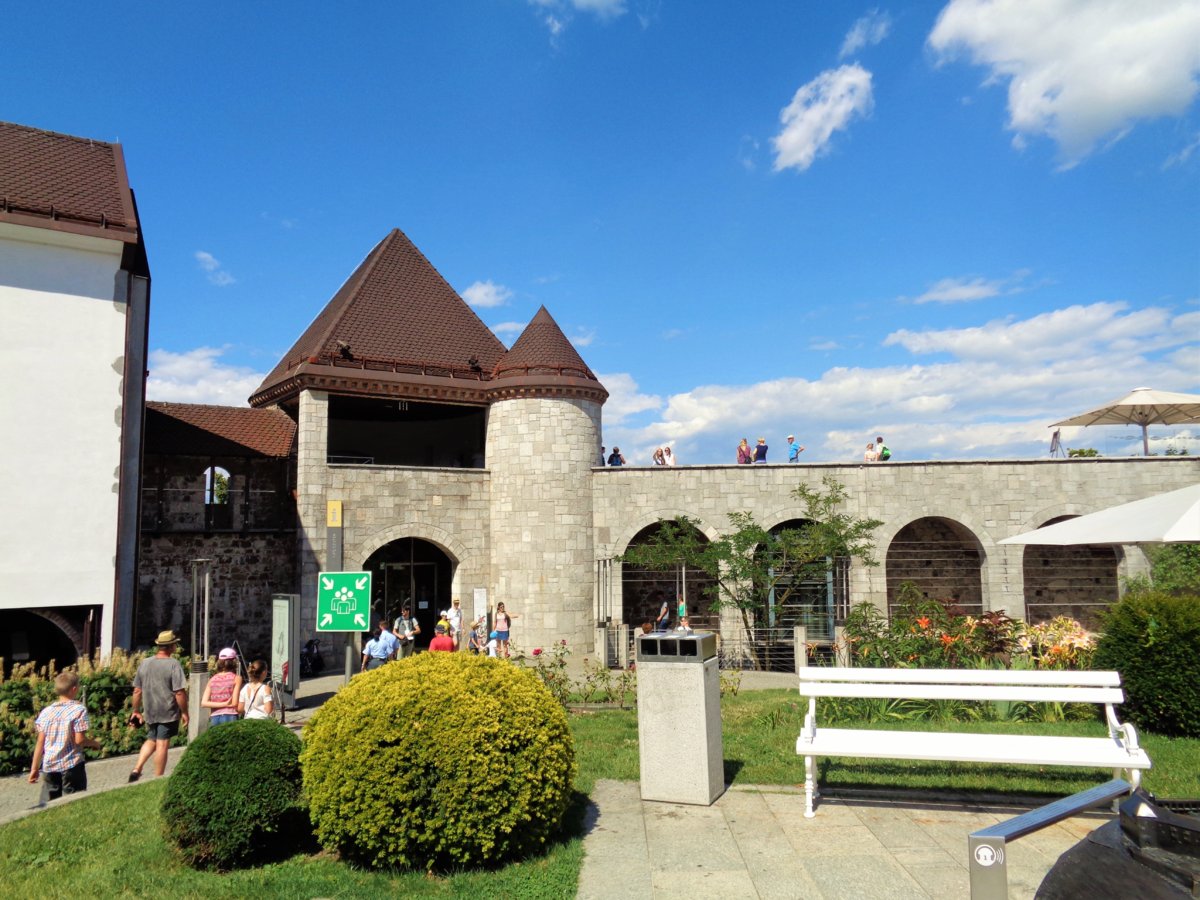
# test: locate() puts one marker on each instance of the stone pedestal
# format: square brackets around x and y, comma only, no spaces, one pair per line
[679,732]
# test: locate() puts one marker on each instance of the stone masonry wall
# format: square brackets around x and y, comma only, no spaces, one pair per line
[993,500]
[540,452]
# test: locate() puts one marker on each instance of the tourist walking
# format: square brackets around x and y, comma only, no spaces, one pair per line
[159,702]
[615,458]
[502,624]
[794,449]
[745,455]
[871,455]
[405,630]
[760,451]
[664,617]
[222,691]
[456,623]
[379,649]
[61,738]
[255,700]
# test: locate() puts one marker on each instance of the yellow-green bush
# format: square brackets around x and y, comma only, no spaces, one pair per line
[439,761]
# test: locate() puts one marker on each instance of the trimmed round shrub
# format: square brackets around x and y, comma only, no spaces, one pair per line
[1153,639]
[235,797]
[440,761]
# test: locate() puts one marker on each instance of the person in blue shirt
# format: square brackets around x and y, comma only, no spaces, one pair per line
[794,449]
[380,649]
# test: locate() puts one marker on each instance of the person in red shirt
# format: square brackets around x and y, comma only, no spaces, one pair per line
[441,640]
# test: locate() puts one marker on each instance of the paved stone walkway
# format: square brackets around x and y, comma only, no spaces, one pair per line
[755,842]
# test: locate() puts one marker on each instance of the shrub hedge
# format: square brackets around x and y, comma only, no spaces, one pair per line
[1152,638]
[440,761]
[235,797]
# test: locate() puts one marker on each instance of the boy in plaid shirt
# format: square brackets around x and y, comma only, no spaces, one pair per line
[62,734]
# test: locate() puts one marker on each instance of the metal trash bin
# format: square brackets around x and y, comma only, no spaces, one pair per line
[679,718]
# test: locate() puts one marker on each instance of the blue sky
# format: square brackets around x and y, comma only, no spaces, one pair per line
[951,223]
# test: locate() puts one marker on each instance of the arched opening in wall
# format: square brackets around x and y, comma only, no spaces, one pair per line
[415,573]
[218,508]
[644,590]
[942,558]
[814,597]
[1078,581]
[26,637]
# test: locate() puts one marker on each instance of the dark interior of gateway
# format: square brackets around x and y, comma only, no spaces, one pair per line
[370,431]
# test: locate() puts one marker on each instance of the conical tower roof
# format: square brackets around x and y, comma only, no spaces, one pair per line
[543,361]
[395,328]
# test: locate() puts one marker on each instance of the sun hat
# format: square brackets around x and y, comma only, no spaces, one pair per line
[227,653]
[166,638]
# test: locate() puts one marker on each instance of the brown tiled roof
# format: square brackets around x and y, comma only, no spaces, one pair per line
[395,314]
[65,183]
[542,349]
[193,429]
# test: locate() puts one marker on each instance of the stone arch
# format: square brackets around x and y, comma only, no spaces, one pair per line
[942,557]
[1078,581]
[39,635]
[444,540]
[644,590]
[74,635]
[646,519]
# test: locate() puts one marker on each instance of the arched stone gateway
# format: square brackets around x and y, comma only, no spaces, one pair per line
[411,572]
[814,601]
[39,636]
[644,590]
[1078,581]
[943,558]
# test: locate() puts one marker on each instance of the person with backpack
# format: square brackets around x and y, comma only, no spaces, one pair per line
[615,458]
[881,450]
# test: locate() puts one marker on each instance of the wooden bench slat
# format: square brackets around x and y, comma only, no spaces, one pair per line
[1020,749]
[1050,677]
[966,692]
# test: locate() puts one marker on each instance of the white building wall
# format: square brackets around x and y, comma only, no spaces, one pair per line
[61,408]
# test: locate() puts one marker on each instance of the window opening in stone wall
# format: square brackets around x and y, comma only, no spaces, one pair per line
[943,558]
[377,432]
[812,599]
[1078,581]
[218,505]
[644,590]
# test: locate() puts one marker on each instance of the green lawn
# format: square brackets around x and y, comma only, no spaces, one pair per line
[110,845]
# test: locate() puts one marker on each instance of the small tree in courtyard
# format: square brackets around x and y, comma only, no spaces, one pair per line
[757,570]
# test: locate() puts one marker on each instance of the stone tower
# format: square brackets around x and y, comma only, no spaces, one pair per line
[543,438]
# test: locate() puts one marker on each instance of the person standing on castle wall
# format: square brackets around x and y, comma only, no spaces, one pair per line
[871,455]
[668,456]
[160,689]
[602,455]
[405,631]
[794,449]
[760,451]
[61,738]
[615,458]
[657,457]
[745,455]
[222,690]
[882,450]
[502,622]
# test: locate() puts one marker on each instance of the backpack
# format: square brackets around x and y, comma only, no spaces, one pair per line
[885,453]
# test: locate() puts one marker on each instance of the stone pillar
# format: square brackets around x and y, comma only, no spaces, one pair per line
[1003,580]
[312,441]
[540,451]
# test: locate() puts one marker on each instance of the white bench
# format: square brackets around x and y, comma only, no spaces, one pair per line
[1119,751]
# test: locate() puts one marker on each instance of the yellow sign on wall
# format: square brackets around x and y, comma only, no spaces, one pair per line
[333,513]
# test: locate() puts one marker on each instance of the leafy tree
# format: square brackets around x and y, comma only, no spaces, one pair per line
[1085,452]
[1175,568]
[754,567]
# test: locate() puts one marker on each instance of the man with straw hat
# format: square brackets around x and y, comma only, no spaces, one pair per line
[159,702]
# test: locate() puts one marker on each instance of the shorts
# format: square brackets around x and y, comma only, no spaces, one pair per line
[223,719]
[502,635]
[374,662]
[162,731]
[55,784]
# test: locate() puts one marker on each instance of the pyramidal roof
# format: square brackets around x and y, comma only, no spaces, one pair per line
[395,318]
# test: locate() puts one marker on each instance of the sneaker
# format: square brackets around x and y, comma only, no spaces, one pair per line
[134,776]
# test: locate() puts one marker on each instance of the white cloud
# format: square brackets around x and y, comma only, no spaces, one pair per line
[1179,157]
[507,331]
[583,338]
[198,376]
[1079,71]
[216,274]
[486,294]
[866,32]
[624,398]
[556,15]
[961,290]
[994,394]
[822,346]
[826,104]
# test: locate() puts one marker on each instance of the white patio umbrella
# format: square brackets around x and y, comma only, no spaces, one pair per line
[1173,517]
[1145,407]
